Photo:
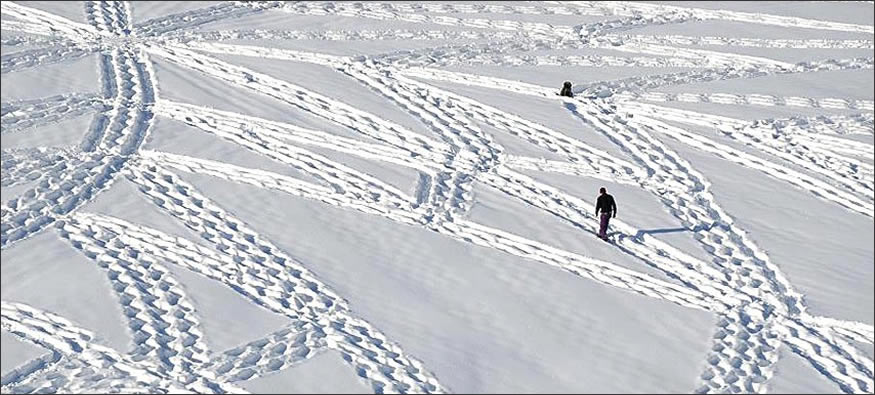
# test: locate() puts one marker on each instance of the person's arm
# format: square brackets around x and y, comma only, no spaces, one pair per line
[614,205]
[596,208]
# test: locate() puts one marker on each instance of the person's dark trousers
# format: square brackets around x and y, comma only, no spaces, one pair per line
[603,225]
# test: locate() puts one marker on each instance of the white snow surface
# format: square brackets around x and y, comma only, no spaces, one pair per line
[339,197]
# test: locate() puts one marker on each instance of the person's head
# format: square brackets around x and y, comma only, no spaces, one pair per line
[567,84]
[603,191]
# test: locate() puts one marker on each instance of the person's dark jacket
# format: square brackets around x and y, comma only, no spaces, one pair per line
[566,91]
[605,204]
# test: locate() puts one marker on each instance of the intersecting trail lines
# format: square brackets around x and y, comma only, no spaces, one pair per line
[106,135]
[127,83]
[95,367]
[758,309]
[597,34]
[592,35]
[475,233]
[718,65]
[279,283]
[624,88]
[742,361]
[730,375]
[270,279]
[816,186]
[622,9]
[850,174]
[730,367]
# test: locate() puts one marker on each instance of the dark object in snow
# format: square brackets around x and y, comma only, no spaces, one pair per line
[566,89]
[608,207]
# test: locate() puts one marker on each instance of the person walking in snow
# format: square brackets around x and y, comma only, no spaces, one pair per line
[608,207]
[566,89]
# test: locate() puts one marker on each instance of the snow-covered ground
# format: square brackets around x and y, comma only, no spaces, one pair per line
[391,197]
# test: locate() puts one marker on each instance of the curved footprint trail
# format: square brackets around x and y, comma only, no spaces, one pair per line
[737,361]
[822,155]
[282,349]
[339,177]
[293,291]
[162,320]
[852,176]
[449,191]
[855,169]
[97,368]
[450,122]
[510,182]
[665,166]
[127,82]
